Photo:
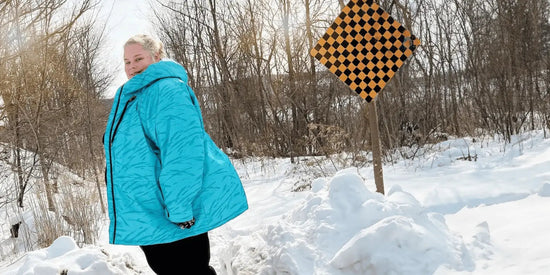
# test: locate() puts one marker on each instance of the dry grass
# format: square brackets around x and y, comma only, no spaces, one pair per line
[78,214]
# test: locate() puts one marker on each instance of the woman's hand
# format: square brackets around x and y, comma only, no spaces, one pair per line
[187,224]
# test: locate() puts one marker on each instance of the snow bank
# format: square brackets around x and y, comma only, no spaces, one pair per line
[486,216]
[63,256]
[545,190]
[343,228]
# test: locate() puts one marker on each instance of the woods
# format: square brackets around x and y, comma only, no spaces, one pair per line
[51,84]
[482,69]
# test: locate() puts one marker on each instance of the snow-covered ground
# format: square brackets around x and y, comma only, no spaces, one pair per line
[442,214]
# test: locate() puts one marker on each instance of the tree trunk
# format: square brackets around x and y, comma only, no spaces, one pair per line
[295,136]
[226,80]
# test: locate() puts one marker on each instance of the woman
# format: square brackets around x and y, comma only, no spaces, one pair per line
[167,182]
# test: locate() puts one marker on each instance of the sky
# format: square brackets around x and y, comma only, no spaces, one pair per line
[124,19]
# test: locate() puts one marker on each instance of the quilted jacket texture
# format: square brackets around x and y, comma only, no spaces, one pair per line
[161,166]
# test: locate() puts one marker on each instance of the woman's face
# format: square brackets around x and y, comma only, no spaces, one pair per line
[137,59]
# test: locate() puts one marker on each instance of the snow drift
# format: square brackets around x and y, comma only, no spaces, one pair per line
[344,228]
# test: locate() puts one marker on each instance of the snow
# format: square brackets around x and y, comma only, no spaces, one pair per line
[442,214]
[64,254]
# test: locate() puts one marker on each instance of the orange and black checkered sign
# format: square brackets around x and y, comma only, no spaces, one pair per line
[364,47]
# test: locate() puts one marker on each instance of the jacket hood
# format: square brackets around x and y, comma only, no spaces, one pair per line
[154,72]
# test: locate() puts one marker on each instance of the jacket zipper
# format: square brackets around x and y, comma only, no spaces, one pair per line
[120,119]
[112,134]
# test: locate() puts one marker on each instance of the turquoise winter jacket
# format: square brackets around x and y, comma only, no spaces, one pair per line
[162,168]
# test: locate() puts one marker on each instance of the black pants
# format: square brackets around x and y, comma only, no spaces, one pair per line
[187,256]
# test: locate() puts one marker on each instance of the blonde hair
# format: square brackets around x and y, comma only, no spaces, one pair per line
[153,46]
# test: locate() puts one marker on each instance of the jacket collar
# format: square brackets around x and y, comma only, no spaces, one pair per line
[154,72]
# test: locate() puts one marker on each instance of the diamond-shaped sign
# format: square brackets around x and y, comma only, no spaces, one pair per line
[364,47]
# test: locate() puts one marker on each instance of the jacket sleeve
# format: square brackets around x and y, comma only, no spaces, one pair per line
[174,126]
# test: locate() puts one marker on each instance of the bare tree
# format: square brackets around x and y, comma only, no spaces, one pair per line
[250,62]
[41,91]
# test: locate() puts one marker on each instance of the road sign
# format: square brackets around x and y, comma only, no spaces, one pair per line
[364,47]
